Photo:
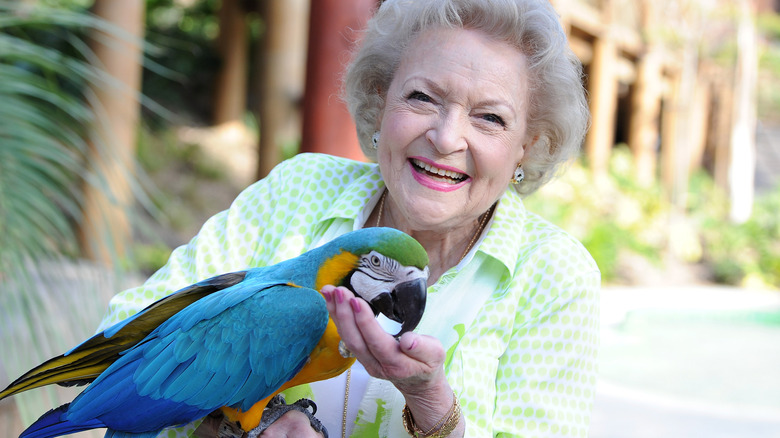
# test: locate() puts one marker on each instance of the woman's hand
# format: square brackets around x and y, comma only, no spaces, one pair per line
[414,363]
[293,424]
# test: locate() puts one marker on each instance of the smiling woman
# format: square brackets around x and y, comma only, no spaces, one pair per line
[466,106]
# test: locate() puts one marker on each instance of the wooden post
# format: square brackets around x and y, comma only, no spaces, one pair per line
[603,104]
[106,231]
[327,125]
[700,112]
[684,131]
[231,86]
[603,84]
[721,139]
[644,122]
[281,70]
[669,123]
[565,19]
[643,135]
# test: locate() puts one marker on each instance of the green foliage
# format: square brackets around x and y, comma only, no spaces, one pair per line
[149,257]
[184,62]
[615,216]
[45,130]
[768,24]
[769,66]
[191,187]
[160,150]
[742,252]
[619,216]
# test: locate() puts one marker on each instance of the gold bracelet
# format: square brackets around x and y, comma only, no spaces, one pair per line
[443,428]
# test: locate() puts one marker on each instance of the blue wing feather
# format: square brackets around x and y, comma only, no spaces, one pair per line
[149,378]
[53,423]
[270,334]
[197,290]
[219,351]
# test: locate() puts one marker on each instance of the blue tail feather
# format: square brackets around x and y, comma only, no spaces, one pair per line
[52,424]
[111,433]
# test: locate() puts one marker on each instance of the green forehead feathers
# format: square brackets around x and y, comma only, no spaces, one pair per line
[388,241]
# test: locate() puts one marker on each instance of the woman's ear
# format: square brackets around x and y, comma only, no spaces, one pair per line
[528,144]
[381,112]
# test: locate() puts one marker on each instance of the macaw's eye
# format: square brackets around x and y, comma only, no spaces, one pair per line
[375,260]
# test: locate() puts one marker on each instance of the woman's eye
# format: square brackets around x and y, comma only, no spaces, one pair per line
[492,118]
[419,95]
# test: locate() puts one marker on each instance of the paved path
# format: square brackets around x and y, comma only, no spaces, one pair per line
[689,362]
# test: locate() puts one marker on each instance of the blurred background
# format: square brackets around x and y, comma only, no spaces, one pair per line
[124,125]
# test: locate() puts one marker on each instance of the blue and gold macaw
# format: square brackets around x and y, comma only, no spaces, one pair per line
[231,342]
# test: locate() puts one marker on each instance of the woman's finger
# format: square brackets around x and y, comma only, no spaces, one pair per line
[380,344]
[425,349]
[343,315]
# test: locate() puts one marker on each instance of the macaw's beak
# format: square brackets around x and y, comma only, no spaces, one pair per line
[404,305]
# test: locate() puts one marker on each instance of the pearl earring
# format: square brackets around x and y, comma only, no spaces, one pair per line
[375,140]
[519,175]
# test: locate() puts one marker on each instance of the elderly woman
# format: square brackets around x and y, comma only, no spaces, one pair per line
[466,106]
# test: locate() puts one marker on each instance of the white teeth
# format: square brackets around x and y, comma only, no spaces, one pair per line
[436,170]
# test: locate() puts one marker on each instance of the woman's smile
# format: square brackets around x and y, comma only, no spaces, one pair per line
[437,177]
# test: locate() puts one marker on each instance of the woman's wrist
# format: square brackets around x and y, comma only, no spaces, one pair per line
[433,411]
[445,427]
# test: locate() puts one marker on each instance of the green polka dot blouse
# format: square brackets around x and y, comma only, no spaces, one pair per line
[518,317]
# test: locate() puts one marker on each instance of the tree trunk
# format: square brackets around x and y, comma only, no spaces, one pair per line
[327,125]
[282,67]
[230,92]
[684,132]
[603,104]
[645,117]
[105,231]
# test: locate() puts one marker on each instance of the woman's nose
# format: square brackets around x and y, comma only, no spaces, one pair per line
[448,134]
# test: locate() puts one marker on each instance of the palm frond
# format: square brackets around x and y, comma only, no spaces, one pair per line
[48,118]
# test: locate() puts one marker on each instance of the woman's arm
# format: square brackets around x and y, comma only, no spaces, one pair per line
[546,378]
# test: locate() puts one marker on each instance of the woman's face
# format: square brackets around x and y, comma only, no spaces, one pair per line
[453,127]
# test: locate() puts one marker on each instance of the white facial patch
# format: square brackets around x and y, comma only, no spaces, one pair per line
[377,274]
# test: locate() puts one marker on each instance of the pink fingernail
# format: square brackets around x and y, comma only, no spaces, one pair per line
[327,296]
[355,305]
[339,296]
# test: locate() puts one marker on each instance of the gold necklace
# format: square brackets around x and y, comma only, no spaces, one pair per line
[381,207]
[482,222]
[346,402]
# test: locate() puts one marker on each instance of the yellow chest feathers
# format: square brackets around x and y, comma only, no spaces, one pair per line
[325,361]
